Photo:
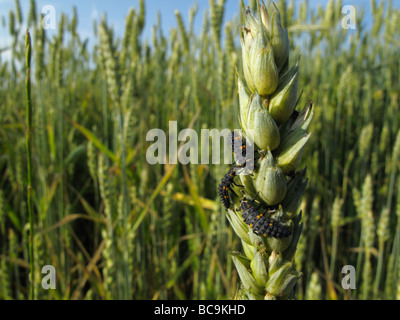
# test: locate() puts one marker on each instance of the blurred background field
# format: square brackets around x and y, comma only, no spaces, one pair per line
[116,227]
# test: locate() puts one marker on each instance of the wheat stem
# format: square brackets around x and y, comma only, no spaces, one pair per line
[29,157]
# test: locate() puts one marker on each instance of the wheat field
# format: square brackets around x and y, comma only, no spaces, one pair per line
[114,226]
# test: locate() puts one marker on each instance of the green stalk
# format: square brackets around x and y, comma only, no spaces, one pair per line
[379,269]
[29,156]
[334,252]
[335,224]
[383,233]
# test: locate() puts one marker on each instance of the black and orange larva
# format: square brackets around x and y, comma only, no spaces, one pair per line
[225,186]
[238,143]
[241,148]
[260,224]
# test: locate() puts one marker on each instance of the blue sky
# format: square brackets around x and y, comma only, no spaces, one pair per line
[117,10]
